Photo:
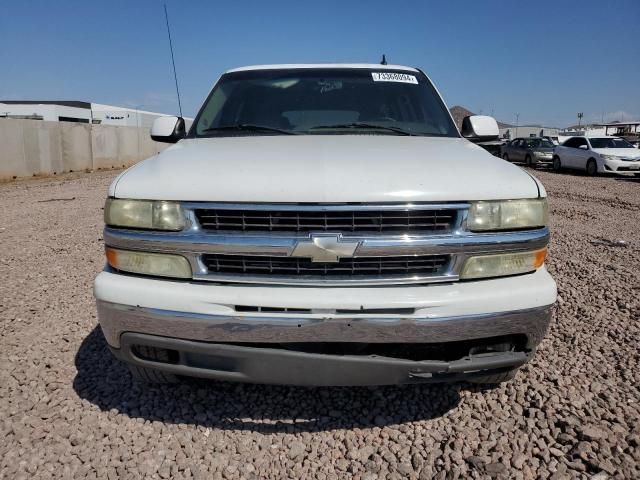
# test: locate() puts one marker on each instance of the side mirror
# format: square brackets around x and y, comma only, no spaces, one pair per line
[583,147]
[168,129]
[480,128]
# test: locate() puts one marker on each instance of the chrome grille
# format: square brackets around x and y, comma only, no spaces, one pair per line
[354,268]
[255,242]
[342,220]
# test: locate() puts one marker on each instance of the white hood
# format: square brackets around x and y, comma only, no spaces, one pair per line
[324,169]
[632,153]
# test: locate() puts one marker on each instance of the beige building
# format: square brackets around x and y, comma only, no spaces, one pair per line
[77,111]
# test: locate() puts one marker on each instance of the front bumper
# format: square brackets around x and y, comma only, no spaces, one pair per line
[241,363]
[214,340]
[117,320]
[620,166]
[543,159]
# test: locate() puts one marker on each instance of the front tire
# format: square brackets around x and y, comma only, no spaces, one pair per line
[151,375]
[505,156]
[592,168]
[557,165]
[528,161]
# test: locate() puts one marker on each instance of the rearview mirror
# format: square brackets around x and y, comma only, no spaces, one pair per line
[480,128]
[583,147]
[168,129]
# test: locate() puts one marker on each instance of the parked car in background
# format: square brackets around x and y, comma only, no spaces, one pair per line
[597,155]
[494,147]
[532,151]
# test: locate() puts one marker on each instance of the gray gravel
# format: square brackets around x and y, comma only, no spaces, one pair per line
[69,410]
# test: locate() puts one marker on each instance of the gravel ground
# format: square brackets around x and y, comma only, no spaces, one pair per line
[68,409]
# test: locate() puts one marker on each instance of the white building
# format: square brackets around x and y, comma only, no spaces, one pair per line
[75,111]
[628,130]
[527,131]
[587,130]
[622,129]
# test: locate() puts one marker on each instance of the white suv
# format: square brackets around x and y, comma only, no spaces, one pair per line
[597,155]
[325,225]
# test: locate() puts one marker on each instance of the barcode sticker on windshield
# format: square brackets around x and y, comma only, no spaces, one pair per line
[393,77]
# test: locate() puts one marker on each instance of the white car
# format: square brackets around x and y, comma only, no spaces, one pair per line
[597,155]
[325,225]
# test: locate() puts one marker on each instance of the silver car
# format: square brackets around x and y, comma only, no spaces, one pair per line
[532,151]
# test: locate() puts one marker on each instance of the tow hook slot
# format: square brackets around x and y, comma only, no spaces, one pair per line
[420,375]
[497,348]
[486,357]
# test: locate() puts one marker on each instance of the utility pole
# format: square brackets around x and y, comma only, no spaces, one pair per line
[580,115]
[517,123]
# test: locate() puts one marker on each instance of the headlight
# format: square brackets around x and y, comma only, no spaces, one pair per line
[159,264]
[153,215]
[507,215]
[485,266]
[609,157]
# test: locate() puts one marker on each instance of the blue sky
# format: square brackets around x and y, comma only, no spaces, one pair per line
[544,60]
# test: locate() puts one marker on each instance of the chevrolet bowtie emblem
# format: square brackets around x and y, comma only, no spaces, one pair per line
[325,247]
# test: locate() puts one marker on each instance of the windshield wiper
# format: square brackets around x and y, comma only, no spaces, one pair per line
[355,125]
[248,127]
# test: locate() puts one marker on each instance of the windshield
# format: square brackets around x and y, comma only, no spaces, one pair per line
[539,143]
[323,101]
[609,143]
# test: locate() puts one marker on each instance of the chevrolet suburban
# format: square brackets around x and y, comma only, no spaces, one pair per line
[325,225]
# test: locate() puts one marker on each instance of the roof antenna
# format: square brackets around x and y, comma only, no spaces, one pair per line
[384,60]
[175,75]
